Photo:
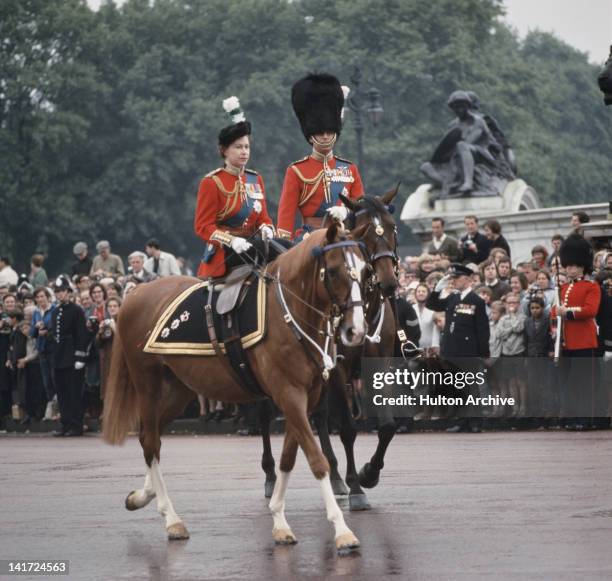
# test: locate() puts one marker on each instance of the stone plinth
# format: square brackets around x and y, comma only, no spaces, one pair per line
[524,223]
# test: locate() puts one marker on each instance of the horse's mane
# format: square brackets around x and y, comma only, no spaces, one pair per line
[297,256]
[371,205]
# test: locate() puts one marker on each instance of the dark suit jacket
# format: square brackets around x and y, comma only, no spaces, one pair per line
[69,336]
[450,247]
[483,247]
[466,331]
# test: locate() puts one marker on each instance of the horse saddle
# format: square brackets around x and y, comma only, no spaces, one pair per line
[182,328]
[232,286]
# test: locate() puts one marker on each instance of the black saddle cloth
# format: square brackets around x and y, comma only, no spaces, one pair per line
[182,329]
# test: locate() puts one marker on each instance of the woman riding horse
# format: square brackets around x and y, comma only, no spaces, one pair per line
[314,295]
[231,205]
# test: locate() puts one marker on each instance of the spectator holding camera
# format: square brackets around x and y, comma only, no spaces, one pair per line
[474,245]
[104,340]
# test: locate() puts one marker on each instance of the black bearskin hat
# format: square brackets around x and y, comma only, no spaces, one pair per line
[317,100]
[575,250]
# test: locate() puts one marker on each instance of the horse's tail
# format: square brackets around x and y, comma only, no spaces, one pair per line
[121,400]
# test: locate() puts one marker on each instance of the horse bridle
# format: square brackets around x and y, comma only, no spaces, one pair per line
[339,308]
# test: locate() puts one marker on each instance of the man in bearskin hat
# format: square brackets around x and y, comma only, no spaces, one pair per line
[578,306]
[69,344]
[313,184]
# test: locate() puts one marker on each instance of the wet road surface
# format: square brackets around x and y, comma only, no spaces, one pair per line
[516,506]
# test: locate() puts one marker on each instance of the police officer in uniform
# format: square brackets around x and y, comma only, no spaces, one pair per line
[466,333]
[313,184]
[69,344]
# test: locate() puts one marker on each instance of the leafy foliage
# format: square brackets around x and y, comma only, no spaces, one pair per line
[109,119]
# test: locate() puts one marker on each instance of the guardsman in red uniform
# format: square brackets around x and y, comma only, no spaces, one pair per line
[231,206]
[313,184]
[579,304]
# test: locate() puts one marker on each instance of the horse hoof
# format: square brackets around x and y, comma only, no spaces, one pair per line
[346,543]
[177,532]
[368,476]
[133,502]
[358,502]
[269,488]
[339,487]
[284,537]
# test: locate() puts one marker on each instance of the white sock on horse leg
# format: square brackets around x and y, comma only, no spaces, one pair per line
[164,504]
[144,495]
[277,502]
[334,514]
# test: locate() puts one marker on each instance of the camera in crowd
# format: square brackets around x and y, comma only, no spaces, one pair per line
[93,324]
[5,322]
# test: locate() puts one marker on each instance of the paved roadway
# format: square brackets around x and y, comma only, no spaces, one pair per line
[499,506]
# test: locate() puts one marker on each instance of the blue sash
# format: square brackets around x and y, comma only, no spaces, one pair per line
[335,189]
[239,218]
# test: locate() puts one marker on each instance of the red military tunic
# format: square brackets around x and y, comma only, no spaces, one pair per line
[582,300]
[229,204]
[311,186]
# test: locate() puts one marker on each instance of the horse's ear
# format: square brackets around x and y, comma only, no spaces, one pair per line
[349,203]
[332,233]
[387,198]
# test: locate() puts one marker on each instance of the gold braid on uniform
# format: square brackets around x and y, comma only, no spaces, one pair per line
[236,195]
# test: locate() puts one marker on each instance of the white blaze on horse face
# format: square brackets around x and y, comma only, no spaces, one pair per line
[357,264]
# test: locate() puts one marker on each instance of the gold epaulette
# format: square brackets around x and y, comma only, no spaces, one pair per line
[301,160]
[213,172]
[251,171]
[344,160]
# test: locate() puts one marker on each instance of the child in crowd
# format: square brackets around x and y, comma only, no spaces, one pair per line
[510,331]
[539,349]
[486,294]
[498,310]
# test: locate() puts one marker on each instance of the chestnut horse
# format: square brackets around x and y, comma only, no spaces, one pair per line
[316,285]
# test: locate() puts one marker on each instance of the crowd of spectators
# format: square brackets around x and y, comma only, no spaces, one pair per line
[518,297]
[27,302]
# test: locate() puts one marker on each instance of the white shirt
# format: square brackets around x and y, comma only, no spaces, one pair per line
[8,275]
[464,293]
[167,265]
[437,242]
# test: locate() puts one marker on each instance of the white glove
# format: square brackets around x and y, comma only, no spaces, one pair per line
[267,233]
[607,356]
[442,283]
[78,365]
[239,245]
[338,213]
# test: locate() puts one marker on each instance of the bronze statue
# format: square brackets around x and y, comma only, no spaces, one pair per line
[469,160]
[605,80]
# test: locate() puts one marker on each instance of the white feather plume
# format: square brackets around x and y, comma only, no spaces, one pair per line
[345,91]
[231,105]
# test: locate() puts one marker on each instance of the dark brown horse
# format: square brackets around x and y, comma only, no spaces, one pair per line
[318,284]
[371,222]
